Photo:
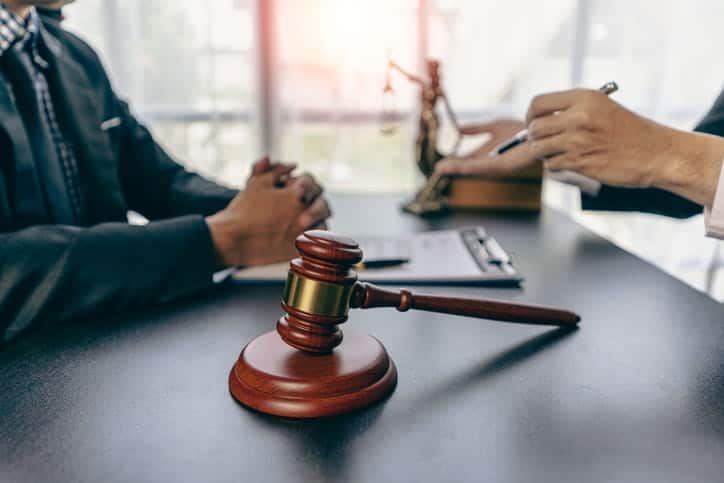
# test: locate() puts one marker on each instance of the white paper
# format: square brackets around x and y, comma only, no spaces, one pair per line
[438,256]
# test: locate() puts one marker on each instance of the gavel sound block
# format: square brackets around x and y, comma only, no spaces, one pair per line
[306,369]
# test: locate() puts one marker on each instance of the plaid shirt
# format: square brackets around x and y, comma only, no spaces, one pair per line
[16,29]
[12,28]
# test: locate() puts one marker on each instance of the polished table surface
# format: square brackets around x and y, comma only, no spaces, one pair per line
[636,394]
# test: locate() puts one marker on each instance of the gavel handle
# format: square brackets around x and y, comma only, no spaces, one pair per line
[366,296]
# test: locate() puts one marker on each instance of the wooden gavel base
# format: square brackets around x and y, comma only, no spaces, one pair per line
[274,378]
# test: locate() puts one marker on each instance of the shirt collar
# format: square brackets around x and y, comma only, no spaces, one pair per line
[14,28]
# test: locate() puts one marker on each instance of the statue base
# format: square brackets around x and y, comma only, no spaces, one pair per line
[430,200]
[422,208]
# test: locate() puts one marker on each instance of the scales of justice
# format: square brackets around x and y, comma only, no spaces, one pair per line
[307,368]
[520,191]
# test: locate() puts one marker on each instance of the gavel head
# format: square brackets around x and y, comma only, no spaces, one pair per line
[318,291]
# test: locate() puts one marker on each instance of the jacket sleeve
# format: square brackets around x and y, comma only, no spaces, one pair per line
[154,184]
[56,273]
[50,274]
[645,200]
[652,200]
[713,122]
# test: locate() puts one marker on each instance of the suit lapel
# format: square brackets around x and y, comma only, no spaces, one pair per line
[82,105]
[28,197]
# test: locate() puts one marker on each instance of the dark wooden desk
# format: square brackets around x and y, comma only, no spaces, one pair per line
[637,394]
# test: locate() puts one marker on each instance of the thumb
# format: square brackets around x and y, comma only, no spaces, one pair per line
[479,128]
[453,166]
[482,166]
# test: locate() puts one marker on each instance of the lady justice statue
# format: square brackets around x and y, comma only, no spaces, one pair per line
[430,198]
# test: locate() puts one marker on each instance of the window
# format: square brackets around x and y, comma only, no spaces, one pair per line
[191,70]
[194,71]
[188,68]
[331,60]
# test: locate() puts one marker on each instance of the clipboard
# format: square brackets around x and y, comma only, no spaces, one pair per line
[466,256]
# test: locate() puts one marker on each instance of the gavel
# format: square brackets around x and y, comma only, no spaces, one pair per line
[322,286]
[304,370]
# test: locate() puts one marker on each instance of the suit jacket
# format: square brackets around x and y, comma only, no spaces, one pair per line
[52,273]
[653,200]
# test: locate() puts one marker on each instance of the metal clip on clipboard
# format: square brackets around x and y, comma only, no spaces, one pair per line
[486,251]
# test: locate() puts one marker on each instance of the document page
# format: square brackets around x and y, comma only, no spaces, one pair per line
[448,256]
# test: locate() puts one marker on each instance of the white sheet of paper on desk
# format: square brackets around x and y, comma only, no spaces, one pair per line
[438,256]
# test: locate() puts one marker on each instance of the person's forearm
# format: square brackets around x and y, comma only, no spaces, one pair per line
[53,273]
[693,166]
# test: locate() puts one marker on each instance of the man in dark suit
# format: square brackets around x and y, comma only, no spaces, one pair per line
[74,161]
[634,195]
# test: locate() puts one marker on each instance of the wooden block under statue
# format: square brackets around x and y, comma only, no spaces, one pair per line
[522,191]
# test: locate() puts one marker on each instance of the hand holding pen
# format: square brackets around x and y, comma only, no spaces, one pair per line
[522,136]
[585,133]
[507,134]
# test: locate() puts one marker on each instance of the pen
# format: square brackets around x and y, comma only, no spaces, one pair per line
[382,263]
[522,136]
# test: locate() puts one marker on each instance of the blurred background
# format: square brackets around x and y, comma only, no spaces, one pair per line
[220,82]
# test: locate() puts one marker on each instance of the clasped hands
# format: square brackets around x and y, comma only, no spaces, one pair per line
[586,132]
[260,224]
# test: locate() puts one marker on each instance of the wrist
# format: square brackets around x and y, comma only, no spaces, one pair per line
[222,239]
[691,167]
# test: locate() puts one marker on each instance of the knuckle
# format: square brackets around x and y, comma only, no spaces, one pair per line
[593,97]
[535,130]
[323,208]
[305,221]
[313,211]
[298,190]
[310,183]
[306,177]
[536,104]
[537,101]
[294,200]
[304,185]
[536,148]
[552,165]
[578,140]
[584,94]
[556,164]
[582,119]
